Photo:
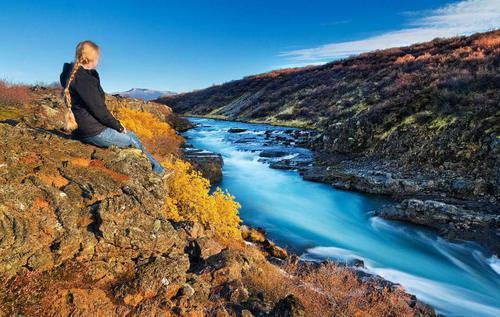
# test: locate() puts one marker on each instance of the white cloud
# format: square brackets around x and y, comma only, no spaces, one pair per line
[464,17]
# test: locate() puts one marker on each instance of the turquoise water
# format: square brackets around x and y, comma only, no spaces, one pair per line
[320,222]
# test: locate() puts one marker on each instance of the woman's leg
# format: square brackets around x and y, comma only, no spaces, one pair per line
[138,144]
[109,137]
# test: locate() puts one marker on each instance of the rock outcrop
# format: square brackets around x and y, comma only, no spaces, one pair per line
[208,163]
[451,221]
[85,228]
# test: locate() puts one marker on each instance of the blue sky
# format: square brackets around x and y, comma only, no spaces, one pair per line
[186,45]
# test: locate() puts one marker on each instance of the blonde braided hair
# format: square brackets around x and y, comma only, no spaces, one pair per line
[86,52]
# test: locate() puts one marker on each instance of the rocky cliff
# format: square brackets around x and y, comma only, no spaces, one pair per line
[84,232]
[419,122]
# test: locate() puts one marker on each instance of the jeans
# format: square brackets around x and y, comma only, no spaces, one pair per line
[110,137]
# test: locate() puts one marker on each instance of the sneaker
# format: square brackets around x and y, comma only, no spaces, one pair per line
[166,174]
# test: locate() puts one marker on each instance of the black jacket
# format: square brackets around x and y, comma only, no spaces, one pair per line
[88,102]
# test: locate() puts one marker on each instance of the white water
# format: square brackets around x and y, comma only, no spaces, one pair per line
[321,222]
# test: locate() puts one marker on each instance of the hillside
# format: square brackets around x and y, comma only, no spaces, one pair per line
[86,231]
[422,120]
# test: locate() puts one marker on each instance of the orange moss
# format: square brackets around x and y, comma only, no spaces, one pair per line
[80,162]
[98,164]
[33,293]
[53,180]
[40,203]
[30,159]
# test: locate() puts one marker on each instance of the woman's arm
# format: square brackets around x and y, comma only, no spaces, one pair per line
[87,90]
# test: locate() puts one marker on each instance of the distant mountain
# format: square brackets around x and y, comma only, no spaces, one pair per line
[143,93]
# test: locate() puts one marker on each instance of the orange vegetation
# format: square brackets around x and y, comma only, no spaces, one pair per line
[98,164]
[329,290]
[489,41]
[189,198]
[405,59]
[53,180]
[13,94]
[279,72]
[157,136]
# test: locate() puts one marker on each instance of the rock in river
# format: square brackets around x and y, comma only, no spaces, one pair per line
[208,163]
[452,221]
[236,130]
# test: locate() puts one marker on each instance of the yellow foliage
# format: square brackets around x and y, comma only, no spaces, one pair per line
[157,136]
[189,198]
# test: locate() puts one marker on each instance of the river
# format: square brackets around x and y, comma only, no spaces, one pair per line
[320,222]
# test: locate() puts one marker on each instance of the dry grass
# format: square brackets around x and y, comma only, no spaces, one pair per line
[13,94]
[405,59]
[329,290]
[489,41]
[30,293]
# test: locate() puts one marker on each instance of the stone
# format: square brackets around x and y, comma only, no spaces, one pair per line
[252,234]
[273,153]
[289,306]
[452,221]
[208,163]
[236,130]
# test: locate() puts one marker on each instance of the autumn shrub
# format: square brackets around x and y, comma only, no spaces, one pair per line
[189,198]
[405,59]
[13,94]
[329,290]
[157,136]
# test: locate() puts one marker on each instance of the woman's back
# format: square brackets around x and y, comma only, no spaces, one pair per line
[88,101]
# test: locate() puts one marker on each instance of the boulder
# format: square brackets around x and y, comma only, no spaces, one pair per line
[208,163]
[236,130]
[252,234]
[452,221]
[289,306]
[273,153]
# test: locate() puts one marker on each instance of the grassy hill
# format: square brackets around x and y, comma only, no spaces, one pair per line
[431,107]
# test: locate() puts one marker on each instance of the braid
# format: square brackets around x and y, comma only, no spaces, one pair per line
[67,95]
[70,123]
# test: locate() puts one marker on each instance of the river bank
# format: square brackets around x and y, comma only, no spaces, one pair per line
[277,201]
[443,202]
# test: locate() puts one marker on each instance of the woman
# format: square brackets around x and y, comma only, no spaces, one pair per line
[85,98]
